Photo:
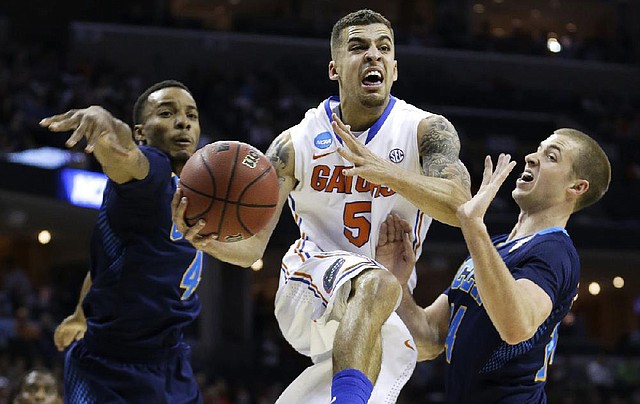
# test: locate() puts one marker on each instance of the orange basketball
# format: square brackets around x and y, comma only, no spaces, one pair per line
[232,186]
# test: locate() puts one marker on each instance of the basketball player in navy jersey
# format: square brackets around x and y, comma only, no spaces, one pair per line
[498,321]
[335,304]
[140,293]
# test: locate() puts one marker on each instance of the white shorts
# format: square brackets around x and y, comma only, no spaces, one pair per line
[310,302]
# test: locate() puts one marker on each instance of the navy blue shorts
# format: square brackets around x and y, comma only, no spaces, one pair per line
[90,379]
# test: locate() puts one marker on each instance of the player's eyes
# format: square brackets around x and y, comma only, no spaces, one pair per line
[165,114]
[192,116]
[551,157]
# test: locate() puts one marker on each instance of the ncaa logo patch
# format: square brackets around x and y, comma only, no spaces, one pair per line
[396,155]
[329,277]
[323,140]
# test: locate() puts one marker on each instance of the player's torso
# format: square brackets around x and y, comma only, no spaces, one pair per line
[337,212]
[144,274]
[479,363]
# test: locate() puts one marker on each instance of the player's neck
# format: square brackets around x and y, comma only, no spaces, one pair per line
[533,222]
[359,117]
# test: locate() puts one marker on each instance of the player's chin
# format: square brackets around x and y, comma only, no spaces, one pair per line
[181,156]
[372,100]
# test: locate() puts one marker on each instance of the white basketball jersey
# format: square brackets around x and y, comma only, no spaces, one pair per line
[337,212]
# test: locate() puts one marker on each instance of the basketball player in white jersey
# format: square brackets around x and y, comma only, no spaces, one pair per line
[335,303]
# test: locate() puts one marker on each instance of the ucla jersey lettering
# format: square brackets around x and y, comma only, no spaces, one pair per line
[465,281]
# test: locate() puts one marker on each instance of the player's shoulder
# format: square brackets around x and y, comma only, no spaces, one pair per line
[153,153]
[556,239]
[403,107]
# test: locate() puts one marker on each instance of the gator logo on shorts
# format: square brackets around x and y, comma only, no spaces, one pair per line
[329,277]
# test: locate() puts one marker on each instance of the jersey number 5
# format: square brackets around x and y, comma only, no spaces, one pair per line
[357,228]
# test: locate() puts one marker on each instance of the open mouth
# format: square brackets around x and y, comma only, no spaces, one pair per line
[372,78]
[526,177]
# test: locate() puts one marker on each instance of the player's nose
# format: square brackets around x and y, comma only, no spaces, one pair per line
[182,122]
[373,53]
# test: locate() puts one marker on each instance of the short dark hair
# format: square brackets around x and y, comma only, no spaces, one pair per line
[138,107]
[591,164]
[360,17]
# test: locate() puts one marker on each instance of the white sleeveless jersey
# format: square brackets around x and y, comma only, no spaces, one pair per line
[337,212]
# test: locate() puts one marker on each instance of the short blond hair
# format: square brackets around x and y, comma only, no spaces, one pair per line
[591,164]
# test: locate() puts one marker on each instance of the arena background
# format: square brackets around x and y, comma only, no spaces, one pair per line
[505,72]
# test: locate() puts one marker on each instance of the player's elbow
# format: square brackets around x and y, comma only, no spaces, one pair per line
[246,261]
[427,353]
[516,335]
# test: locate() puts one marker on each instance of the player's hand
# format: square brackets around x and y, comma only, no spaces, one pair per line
[96,125]
[394,249]
[366,164]
[492,180]
[190,233]
[70,329]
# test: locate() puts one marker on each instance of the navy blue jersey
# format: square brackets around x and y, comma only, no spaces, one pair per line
[143,273]
[481,367]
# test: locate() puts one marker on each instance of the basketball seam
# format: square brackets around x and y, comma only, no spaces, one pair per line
[215,198]
[246,188]
[233,174]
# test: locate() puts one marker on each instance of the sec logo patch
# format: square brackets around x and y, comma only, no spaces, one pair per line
[396,155]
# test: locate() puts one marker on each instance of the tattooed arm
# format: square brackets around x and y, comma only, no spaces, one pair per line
[246,252]
[439,191]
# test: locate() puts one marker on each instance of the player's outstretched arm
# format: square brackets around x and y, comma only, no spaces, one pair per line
[74,326]
[245,252]
[516,307]
[446,183]
[428,326]
[108,138]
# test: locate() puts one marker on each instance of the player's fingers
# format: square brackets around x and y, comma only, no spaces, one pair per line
[405,226]
[178,211]
[488,170]
[192,232]
[408,247]
[351,172]
[175,205]
[398,227]
[78,133]
[349,155]
[344,131]
[337,123]
[80,335]
[382,238]
[60,338]
[56,119]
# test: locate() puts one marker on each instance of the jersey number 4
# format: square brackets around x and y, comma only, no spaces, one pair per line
[357,228]
[191,276]
[454,323]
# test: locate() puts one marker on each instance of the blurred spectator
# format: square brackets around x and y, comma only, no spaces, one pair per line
[38,386]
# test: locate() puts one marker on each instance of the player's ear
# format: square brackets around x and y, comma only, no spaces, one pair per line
[395,70]
[333,71]
[579,187]
[138,136]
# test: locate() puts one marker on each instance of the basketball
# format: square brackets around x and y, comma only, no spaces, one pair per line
[232,186]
